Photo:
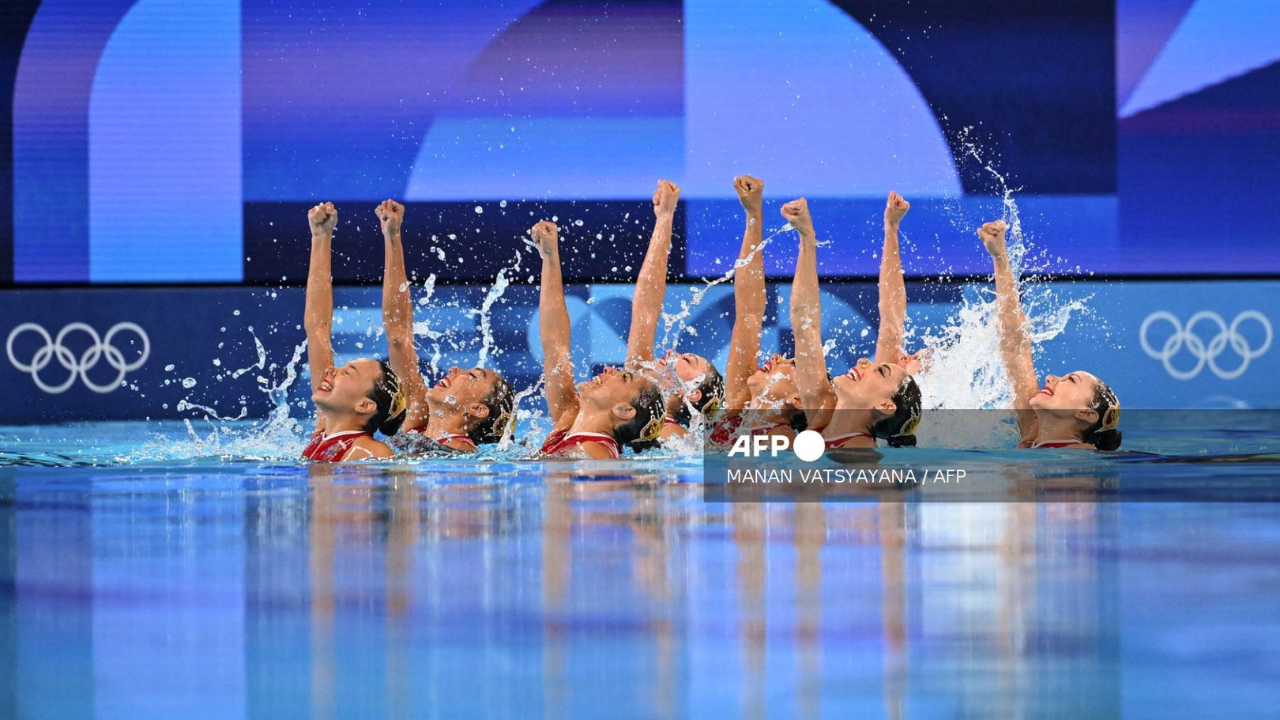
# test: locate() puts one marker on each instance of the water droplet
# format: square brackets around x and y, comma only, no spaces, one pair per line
[479,210]
[188,383]
[168,368]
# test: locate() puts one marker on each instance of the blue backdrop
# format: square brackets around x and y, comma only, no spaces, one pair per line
[179,140]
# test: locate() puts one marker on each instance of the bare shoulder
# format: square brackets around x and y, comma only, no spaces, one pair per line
[366,448]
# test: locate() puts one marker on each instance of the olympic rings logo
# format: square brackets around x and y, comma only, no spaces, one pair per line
[1206,353]
[100,348]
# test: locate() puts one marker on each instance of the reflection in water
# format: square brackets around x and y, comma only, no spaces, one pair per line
[331,592]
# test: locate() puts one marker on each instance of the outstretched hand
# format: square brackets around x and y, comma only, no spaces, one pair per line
[750,192]
[665,198]
[993,237]
[895,209]
[322,218]
[547,236]
[796,212]
[391,214]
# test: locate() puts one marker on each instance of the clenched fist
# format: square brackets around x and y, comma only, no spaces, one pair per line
[750,192]
[322,218]
[993,237]
[390,213]
[895,209]
[547,236]
[664,199]
[796,212]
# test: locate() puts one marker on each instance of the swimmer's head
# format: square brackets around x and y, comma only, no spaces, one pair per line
[892,395]
[774,386]
[632,401]
[1086,399]
[690,379]
[366,388]
[481,395]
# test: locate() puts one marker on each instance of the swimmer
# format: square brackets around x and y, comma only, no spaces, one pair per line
[463,409]
[1074,411]
[600,416]
[761,399]
[879,400]
[358,398]
[689,381]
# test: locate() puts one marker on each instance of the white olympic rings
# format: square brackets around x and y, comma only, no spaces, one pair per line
[1206,353]
[100,348]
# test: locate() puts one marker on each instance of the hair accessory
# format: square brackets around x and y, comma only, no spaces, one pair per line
[909,427]
[1112,417]
[712,408]
[399,403]
[505,424]
[651,430]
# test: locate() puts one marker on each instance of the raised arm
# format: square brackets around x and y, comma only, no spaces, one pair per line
[651,286]
[816,395]
[1011,325]
[554,327]
[748,296]
[397,315]
[893,292]
[318,312]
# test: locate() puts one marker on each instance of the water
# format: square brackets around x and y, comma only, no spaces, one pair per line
[192,586]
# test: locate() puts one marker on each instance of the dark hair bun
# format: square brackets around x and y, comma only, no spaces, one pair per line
[391,425]
[1107,439]
[902,441]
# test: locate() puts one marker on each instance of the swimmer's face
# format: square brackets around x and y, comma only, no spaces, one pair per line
[463,389]
[774,383]
[1067,395]
[685,369]
[347,388]
[613,391]
[869,385]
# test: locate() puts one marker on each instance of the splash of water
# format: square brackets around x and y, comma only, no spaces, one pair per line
[676,324]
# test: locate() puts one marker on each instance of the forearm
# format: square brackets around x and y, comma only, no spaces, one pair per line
[893,299]
[748,279]
[318,313]
[397,306]
[1014,335]
[651,288]
[318,308]
[553,313]
[806,325]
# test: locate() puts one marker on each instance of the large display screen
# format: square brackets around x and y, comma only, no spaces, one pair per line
[159,141]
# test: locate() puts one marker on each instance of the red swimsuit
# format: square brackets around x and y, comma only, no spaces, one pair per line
[332,448]
[561,442]
[725,431]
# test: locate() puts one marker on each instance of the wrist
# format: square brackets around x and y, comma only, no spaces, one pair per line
[891,225]
[322,235]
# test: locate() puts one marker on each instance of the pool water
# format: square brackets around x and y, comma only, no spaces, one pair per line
[183,585]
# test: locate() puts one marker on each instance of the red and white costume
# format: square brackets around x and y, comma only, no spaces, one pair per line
[731,427]
[332,448]
[562,441]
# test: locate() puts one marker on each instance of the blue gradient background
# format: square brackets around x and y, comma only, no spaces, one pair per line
[178,141]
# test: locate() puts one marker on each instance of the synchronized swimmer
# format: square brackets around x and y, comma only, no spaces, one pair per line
[660,396]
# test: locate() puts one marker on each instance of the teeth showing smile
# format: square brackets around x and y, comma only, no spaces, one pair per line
[853,373]
[326,386]
[444,383]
